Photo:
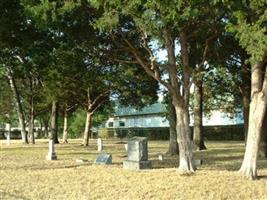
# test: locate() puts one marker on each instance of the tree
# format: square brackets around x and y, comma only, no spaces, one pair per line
[12,33]
[156,21]
[250,30]
[87,56]
[143,30]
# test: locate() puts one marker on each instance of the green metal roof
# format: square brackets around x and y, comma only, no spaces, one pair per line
[156,108]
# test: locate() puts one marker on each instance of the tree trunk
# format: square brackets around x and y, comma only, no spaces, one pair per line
[263,142]
[173,144]
[54,123]
[198,116]
[257,111]
[186,164]
[65,129]
[88,125]
[19,106]
[256,114]
[245,90]
[181,101]
[31,129]
[46,128]
[31,124]
[246,100]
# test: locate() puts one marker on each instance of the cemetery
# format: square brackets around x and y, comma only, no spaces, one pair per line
[26,174]
[109,99]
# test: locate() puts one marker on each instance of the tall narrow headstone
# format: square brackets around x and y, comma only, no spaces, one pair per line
[51,151]
[8,132]
[99,144]
[137,154]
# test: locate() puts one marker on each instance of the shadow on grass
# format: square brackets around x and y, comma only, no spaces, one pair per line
[219,159]
[78,153]
[8,195]
[262,177]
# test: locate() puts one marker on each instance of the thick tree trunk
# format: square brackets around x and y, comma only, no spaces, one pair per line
[88,125]
[198,117]
[54,123]
[65,129]
[186,163]
[263,142]
[19,106]
[256,114]
[173,144]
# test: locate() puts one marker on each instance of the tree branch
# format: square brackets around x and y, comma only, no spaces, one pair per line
[149,69]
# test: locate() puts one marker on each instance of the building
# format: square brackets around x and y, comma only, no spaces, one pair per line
[154,116]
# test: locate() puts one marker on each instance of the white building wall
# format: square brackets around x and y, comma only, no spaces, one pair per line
[216,118]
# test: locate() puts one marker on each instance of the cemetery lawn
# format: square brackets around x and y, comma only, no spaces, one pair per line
[25,174]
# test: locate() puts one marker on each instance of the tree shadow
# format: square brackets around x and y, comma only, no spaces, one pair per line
[264,177]
[7,194]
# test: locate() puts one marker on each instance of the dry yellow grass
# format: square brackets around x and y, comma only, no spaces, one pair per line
[25,174]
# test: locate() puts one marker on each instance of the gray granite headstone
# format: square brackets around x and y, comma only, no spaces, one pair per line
[137,154]
[198,162]
[51,151]
[99,144]
[104,159]
[137,149]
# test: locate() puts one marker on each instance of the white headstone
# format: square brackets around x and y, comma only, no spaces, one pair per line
[99,144]
[8,131]
[161,157]
[51,151]
[126,147]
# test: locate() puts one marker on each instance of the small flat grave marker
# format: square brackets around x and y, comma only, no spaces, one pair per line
[104,159]
[82,161]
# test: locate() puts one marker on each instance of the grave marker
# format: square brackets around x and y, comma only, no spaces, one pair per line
[8,131]
[137,154]
[104,159]
[99,144]
[51,151]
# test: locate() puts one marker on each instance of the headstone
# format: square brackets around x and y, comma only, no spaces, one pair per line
[51,151]
[137,154]
[104,159]
[99,144]
[8,131]
[126,147]
[198,162]
[161,157]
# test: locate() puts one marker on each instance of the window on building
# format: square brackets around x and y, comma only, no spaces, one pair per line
[110,124]
[121,124]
